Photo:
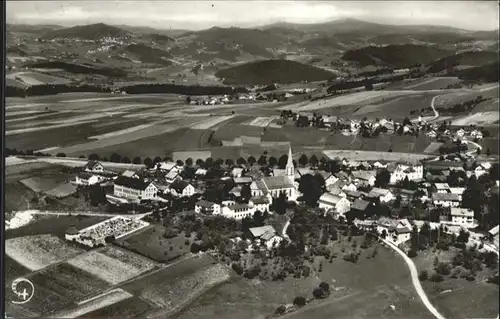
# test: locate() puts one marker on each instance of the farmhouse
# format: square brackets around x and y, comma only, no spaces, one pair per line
[93,167]
[242,180]
[167,166]
[130,174]
[493,235]
[276,185]
[402,171]
[260,203]
[441,188]
[384,195]
[238,211]
[200,172]
[333,203]
[71,233]
[237,172]
[266,235]
[462,217]
[207,207]
[172,176]
[86,178]
[446,199]
[360,206]
[363,177]
[181,188]
[399,231]
[134,188]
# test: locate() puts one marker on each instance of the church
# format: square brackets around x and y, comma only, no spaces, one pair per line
[275,185]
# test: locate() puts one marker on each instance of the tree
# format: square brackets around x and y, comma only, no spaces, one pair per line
[273,161]
[241,161]
[463,236]
[313,161]
[148,162]
[179,163]
[229,162]
[299,301]
[383,178]
[488,152]
[311,188]
[303,160]
[406,121]
[283,160]
[200,162]
[93,157]
[97,195]
[209,162]
[246,192]
[424,275]
[318,293]
[126,160]
[262,160]
[61,155]
[136,160]
[324,286]
[115,158]
[237,268]
[189,161]
[251,160]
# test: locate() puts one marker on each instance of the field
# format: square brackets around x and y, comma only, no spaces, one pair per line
[479,119]
[112,264]
[459,298]
[177,284]
[35,78]
[37,252]
[374,156]
[363,296]
[83,307]
[133,307]
[62,285]
[151,243]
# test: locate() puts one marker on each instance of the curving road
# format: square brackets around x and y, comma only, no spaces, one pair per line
[415,280]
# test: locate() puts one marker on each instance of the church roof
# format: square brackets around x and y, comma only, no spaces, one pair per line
[278,182]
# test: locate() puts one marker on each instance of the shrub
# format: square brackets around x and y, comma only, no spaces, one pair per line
[412,253]
[436,278]
[318,293]
[280,310]
[299,301]
[423,275]
[237,268]
[443,268]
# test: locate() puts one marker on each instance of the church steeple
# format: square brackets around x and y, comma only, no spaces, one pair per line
[289,165]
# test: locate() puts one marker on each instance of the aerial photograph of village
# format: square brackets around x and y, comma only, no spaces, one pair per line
[251,159]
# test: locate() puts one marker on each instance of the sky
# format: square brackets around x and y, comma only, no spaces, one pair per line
[195,15]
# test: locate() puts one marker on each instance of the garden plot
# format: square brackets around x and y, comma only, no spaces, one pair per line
[40,251]
[433,147]
[374,156]
[44,128]
[41,184]
[261,121]
[95,303]
[112,265]
[367,97]
[482,118]
[206,124]
[120,132]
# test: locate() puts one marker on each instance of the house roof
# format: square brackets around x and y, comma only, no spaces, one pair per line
[72,231]
[329,198]
[445,197]
[179,185]
[85,175]
[237,171]
[442,185]
[457,190]
[167,166]
[259,232]
[353,193]
[362,175]
[92,164]
[135,183]
[205,203]
[129,173]
[242,180]
[277,182]
[172,174]
[259,200]
[494,230]
[376,192]
[200,171]
[360,204]
[463,212]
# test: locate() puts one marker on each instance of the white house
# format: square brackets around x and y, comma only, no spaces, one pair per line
[237,172]
[446,199]
[200,172]
[267,235]
[261,203]
[181,188]
[460,132]
[93,167]
[401,171]
[442,188]
[238,211]
[71,234]
[379,165]
[168,166]
[86,178]
[132,174]
[462,216]
[337,204]
[207,207]
[134,188]
[482,169]
[457,190]
[431,134]
[384,195]
[172,176]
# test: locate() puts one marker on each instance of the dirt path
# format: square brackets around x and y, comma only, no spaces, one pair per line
[415,280]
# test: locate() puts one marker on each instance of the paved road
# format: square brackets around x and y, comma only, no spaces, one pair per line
[415,280]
